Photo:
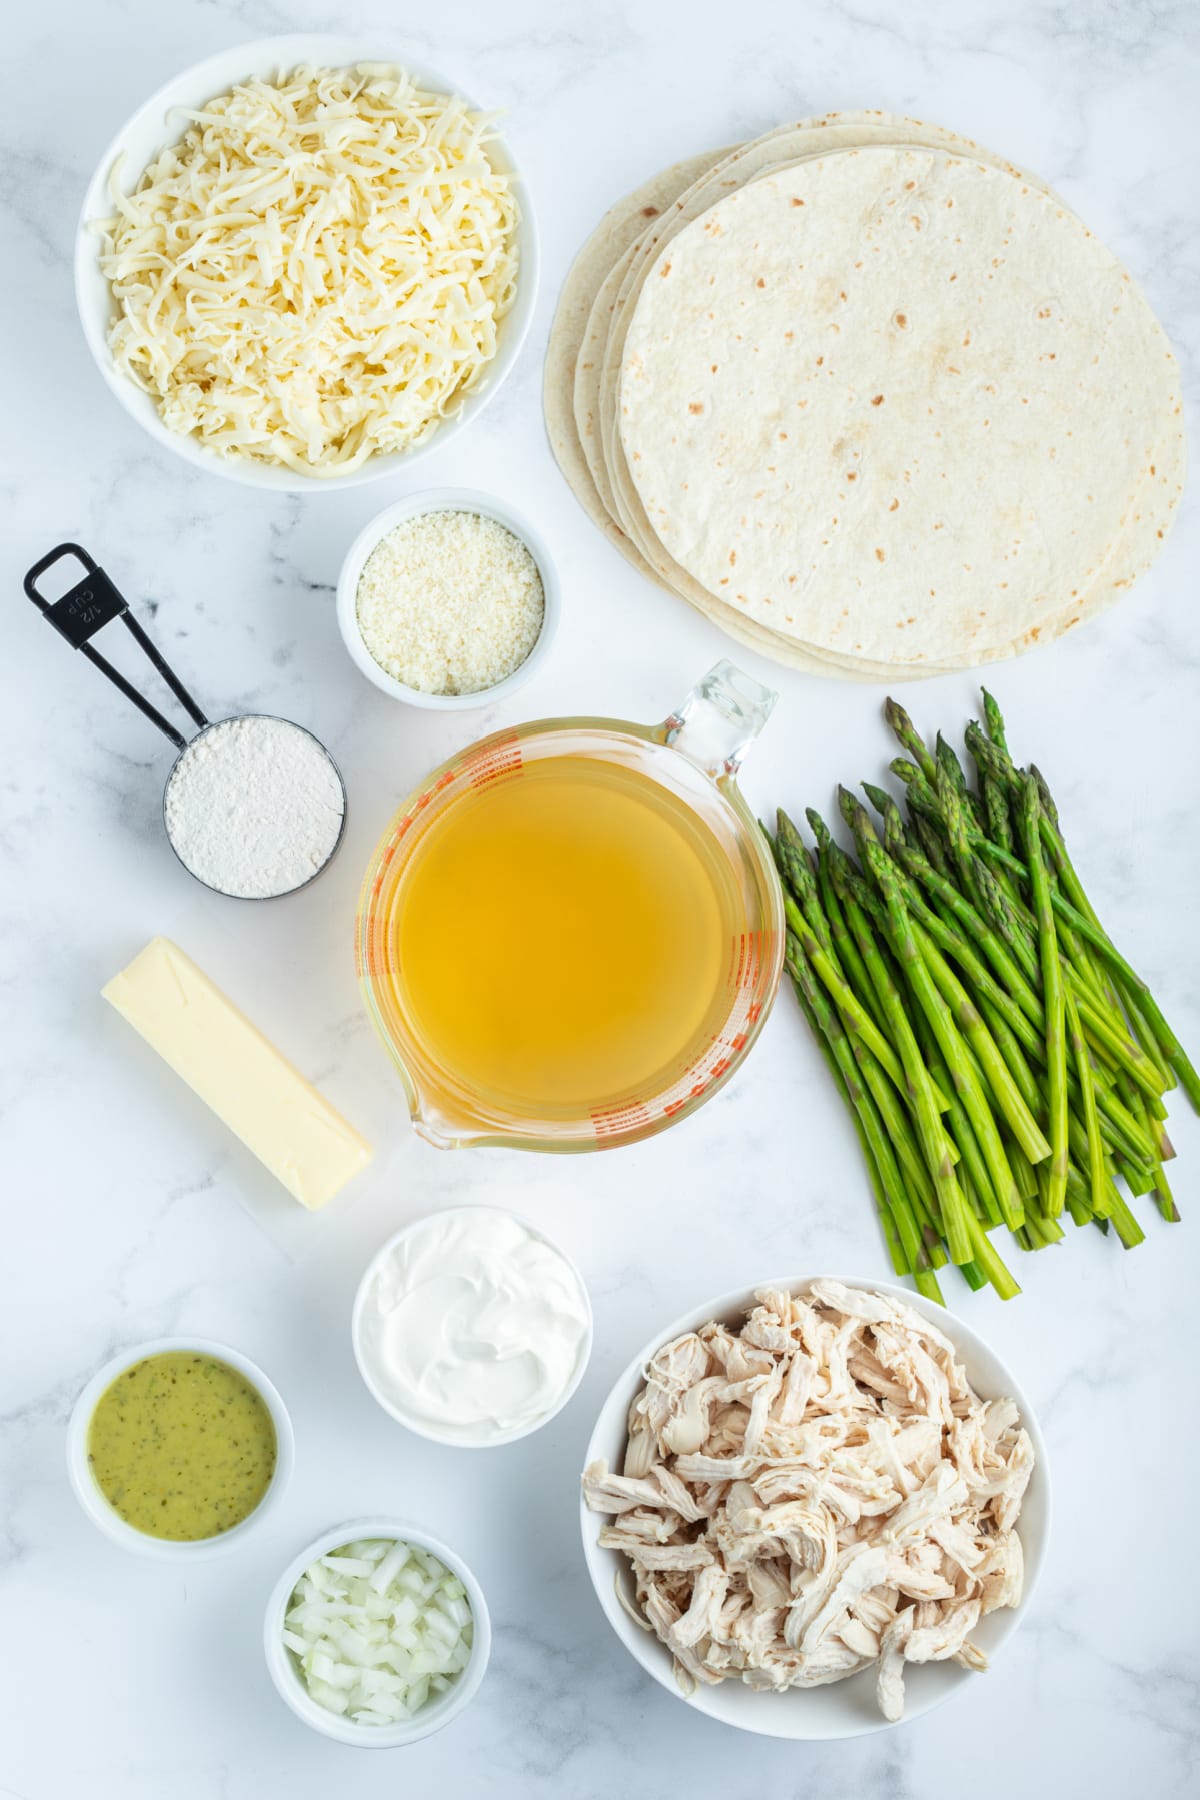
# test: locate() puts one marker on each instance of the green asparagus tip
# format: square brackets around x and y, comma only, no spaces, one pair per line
[908,735]
[849,805]
[818,827]
[1046,797]
[787,830]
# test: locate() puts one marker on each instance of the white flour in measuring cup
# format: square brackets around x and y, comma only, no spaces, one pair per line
[254,807]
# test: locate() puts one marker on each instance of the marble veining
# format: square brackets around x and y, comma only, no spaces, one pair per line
[128,1212]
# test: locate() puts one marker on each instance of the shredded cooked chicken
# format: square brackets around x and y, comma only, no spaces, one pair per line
[822,1491]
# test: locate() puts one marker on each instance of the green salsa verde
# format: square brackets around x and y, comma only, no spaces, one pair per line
[182,1446]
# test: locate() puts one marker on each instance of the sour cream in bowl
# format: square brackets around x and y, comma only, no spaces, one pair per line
[471,1328]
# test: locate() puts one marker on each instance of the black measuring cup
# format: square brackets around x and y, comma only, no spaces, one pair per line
[83,611]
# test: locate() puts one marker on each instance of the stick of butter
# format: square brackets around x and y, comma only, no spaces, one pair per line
[230,1064]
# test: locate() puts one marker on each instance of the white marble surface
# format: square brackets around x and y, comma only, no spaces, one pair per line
[128,1213]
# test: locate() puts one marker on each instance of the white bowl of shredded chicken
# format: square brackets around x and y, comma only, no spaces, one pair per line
[815,1509]
[305,262]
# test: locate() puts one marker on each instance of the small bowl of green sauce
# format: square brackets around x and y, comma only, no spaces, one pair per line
[177,1448]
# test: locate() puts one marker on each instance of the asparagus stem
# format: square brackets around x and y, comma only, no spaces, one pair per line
[1078,910]
[1134,992]
[998,825]
[1078,1208]
[899,1257]
[1009,917]
[958,830]
[921,1089]
[1044,1225]
[970,803]
[896,1124]
[830,1026]
[1083,1071]
[1023,1170]
[1127,1055]
[952,941]
[846,949]
[1149,1043]
[927,1283]
[995,1070]
[1121,1128]
[1165,1198]
[854,1015]
[972,1171]
[985,1254]
[1053,1001]
[910,1152]
[954,1211]
[1124,1223]
[975,927]
[794,866]
[929,841]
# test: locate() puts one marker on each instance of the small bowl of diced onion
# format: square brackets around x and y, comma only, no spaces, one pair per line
[377,1634]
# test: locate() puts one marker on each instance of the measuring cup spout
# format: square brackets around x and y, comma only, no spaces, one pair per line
[720,719]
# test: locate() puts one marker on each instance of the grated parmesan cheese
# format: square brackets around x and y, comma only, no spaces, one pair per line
[317,271]
[450,603]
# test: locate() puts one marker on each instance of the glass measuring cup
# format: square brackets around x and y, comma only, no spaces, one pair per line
[695,754]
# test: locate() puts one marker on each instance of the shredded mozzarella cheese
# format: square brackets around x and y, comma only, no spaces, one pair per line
[317,271]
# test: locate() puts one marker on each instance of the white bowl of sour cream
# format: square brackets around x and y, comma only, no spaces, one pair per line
[471,1328]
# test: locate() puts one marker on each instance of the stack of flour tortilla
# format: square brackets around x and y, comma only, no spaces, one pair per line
[867,396]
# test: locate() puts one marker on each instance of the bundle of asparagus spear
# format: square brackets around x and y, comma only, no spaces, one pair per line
[1002,1062]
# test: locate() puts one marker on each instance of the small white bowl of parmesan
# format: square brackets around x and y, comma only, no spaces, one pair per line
[448,599]
[243,318]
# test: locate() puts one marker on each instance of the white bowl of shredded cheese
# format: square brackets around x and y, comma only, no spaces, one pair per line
[224,398]
[448,599]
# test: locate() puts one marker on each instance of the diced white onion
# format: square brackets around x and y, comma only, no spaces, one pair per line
[377,1629]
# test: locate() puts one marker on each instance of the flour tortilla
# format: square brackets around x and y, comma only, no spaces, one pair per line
[613,310]
[621,226]
[1148,516]
[899,403]
[571,392]
[600,357]
[637,226]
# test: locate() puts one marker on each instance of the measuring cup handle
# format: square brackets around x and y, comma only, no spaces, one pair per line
[87,608]
[720,719]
